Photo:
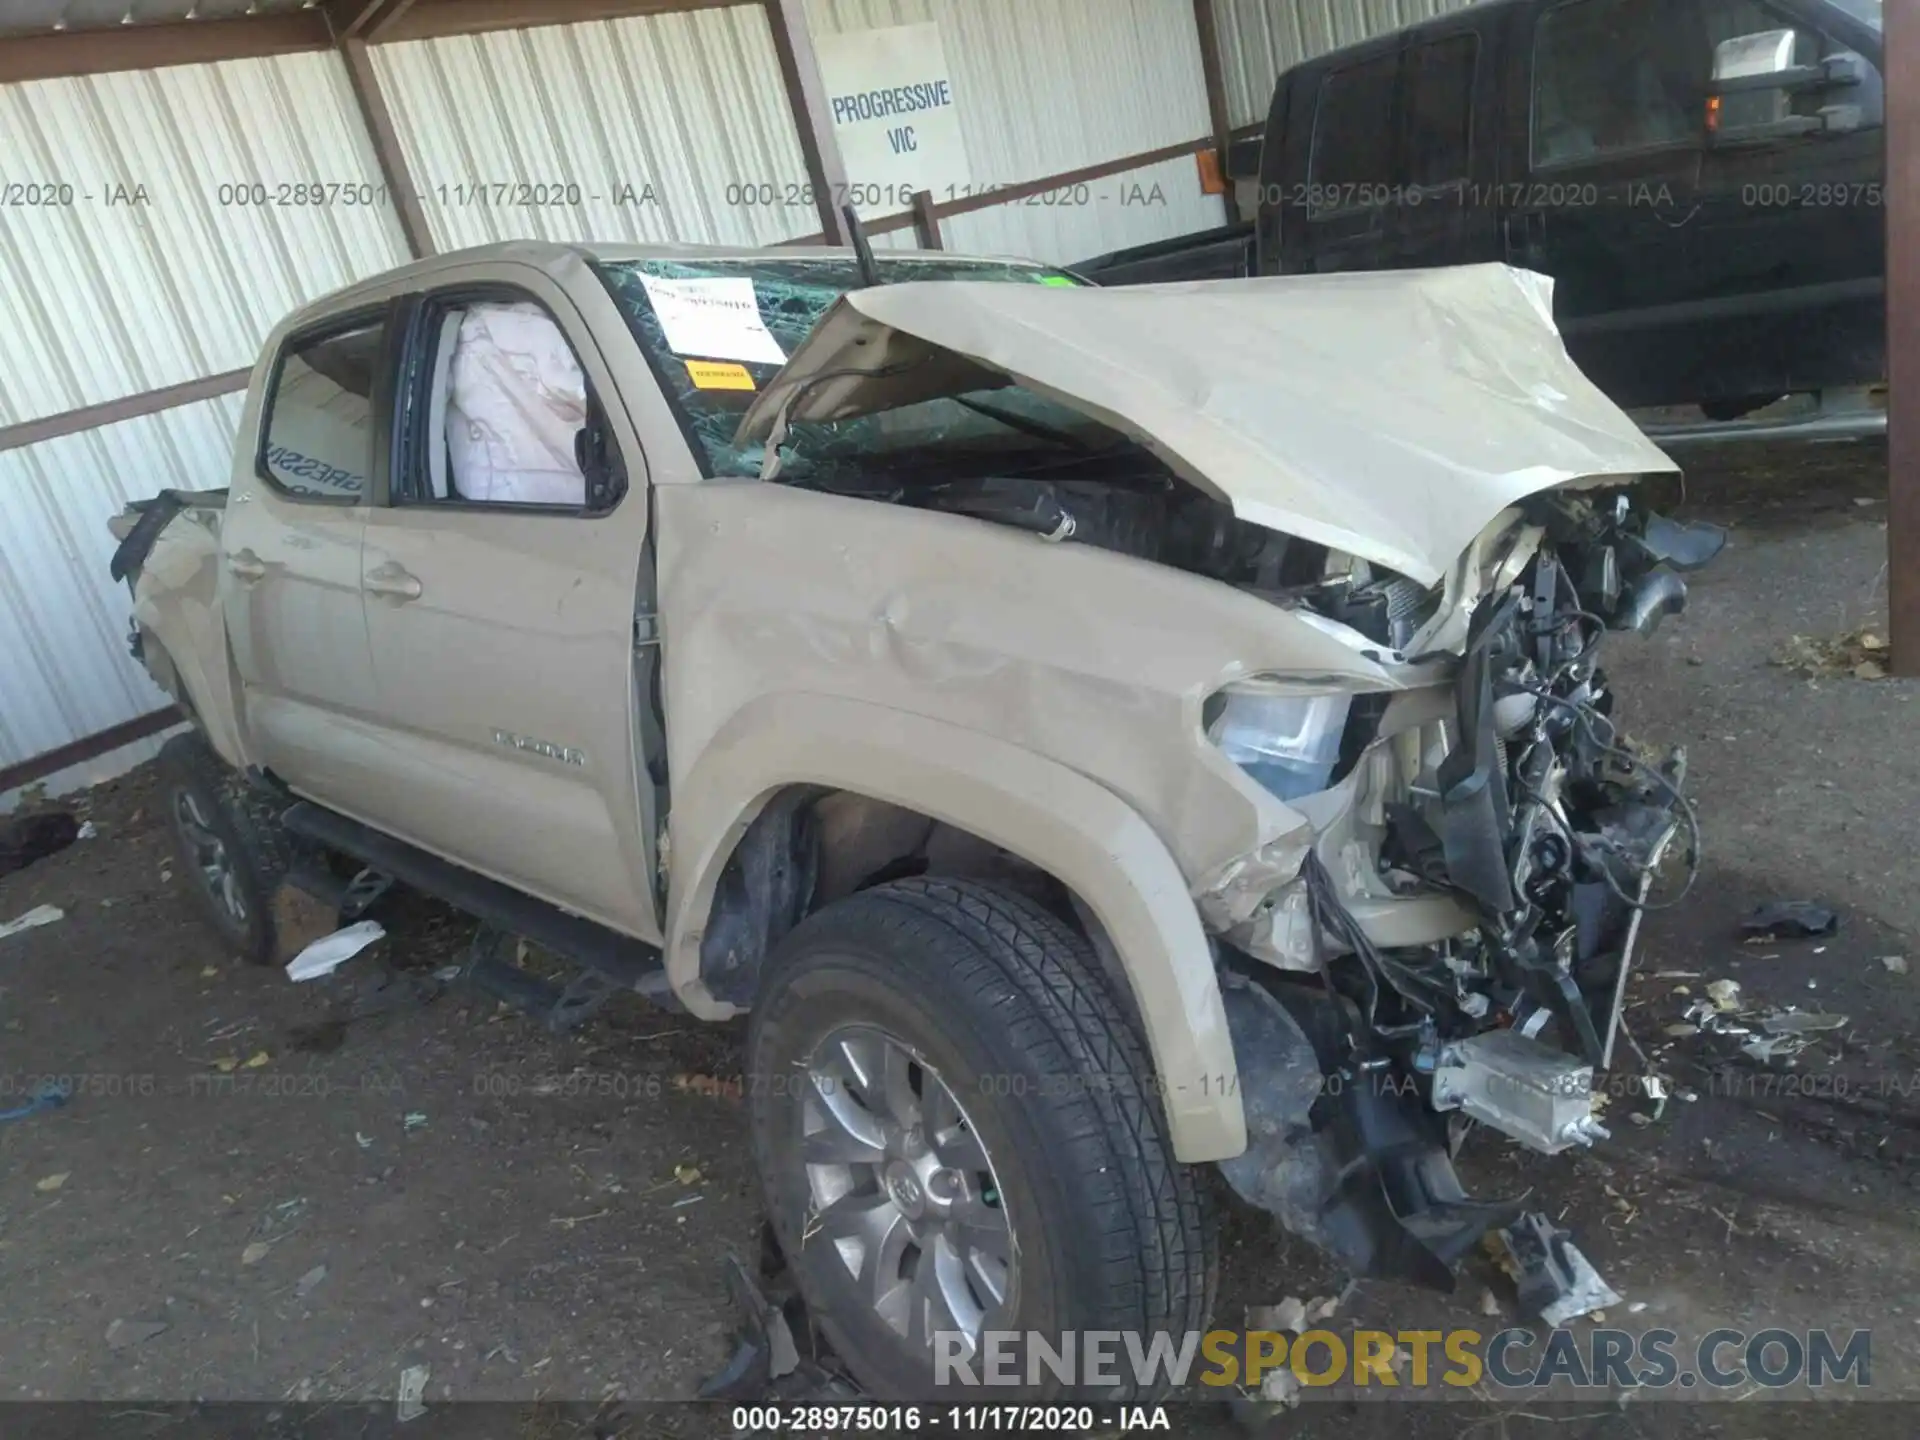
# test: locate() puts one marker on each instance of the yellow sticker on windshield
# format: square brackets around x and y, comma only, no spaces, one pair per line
[711,375]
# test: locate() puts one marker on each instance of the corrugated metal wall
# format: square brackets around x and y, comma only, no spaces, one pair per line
[192,225]
[114,294]
[1261,38]
[63,622]
[1049,86]
[158,271]
[1082,222]
[591,115]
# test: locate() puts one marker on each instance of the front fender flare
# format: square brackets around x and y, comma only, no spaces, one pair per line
[1047,814]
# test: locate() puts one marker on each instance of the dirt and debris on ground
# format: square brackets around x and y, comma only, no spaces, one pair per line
[305,1192]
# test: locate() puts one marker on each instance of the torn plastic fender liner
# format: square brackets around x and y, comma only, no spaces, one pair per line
[1343,1154]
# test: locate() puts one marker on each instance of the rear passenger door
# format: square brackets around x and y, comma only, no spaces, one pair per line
[290,541]
[1600,183]
[1341,213]
[1447,211]
[500,587]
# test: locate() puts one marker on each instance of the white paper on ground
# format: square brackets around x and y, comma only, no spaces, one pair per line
[714,318]
[330,952]
[39,915]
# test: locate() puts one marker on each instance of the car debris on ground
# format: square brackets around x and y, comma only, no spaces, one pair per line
[1555,1281]
[778,1353]
[1289,1317]
[1786,1033]
[1778,1033]
[122,1333]
[33,919]
[49,1095]
[330,952]
[1790,920]
[410,1402]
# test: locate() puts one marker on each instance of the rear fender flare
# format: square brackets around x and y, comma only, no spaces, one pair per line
[1049,815]
[193,647]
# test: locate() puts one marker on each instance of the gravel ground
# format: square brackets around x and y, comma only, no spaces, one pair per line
[271,1192]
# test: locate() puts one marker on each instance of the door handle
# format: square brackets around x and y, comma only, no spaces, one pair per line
[246,565]
[393,582]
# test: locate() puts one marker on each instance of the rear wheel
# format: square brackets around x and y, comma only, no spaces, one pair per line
[229,850]
[957,1135]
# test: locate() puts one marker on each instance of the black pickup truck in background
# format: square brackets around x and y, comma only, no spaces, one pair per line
[1702,178]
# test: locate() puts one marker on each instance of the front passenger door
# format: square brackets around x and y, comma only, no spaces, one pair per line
[500,610]
[1600,185]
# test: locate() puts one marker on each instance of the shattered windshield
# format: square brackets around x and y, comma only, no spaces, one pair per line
[718,331]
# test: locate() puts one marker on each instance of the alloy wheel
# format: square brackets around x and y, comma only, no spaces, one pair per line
[903,1188]
[209,855]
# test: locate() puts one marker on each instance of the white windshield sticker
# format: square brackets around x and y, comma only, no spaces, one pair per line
[714,319]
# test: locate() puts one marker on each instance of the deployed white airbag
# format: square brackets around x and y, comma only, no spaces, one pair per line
[516,397]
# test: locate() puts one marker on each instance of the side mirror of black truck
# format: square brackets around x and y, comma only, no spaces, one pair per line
[1764,92]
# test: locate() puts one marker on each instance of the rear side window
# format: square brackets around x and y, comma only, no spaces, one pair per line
[1440,110]
[1352,154]
[317,436]
[1614,76]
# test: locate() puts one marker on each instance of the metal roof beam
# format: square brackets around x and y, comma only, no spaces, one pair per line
[63,53]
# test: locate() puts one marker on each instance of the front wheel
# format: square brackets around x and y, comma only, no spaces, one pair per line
[958,1138]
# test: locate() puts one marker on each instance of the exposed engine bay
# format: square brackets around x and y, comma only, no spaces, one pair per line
[1507,801]
[1527,804]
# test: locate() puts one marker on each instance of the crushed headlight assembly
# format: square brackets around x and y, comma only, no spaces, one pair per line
[1288,742]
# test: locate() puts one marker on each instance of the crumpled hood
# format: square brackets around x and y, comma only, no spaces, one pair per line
[1392,416]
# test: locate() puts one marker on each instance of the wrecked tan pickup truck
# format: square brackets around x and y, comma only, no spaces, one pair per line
[1097,734]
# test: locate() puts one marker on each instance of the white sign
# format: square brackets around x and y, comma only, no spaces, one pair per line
[892,101]
[714,319]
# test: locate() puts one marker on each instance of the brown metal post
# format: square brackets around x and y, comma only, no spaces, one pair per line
[1215,76]
[1902,57]
[807,97]
[386,147]
[926,222]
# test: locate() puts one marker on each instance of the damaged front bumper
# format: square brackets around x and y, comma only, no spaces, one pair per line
[1446,939]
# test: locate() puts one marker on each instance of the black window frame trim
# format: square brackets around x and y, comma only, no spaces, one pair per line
[1427,41]
[378,312]
[412,374]
[1395,57]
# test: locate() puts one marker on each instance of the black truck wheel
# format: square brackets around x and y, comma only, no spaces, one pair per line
[957,1134]
[228,847]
